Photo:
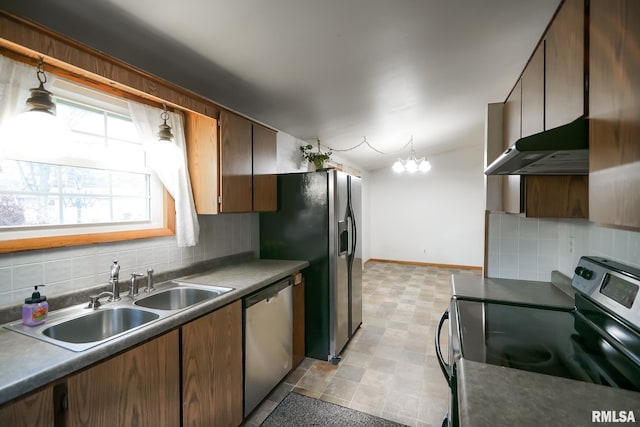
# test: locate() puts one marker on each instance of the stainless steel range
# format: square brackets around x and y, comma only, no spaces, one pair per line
[598,341]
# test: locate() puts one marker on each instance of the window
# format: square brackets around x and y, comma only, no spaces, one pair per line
[98,182]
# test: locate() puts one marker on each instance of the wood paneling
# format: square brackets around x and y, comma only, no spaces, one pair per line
[564,63]
[298,323]
[202,156]
[212,368]
[557,196]
[533,94]
[235,163]
[18,35]
[511,133]
[614,112]
[140,387]
[265,167]
[35,410]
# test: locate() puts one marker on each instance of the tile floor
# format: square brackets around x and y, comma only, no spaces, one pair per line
[389,368]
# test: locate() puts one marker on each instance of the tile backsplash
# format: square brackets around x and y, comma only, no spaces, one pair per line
[71,268]
[530,248]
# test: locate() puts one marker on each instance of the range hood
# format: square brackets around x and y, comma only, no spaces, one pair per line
[560,151]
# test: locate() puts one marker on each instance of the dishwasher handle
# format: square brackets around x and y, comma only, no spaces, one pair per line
[267,293]
[444,366]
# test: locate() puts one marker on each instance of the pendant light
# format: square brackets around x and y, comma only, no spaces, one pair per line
[36,132]
[164,152]
[412,164]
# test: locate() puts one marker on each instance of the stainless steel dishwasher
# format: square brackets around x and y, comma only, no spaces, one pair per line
[268,336]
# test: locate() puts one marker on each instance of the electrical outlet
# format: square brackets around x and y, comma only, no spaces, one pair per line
[572,242]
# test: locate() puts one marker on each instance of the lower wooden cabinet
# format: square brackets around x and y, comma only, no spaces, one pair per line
[140,387]
[298,321]
[212,368]
[34,410]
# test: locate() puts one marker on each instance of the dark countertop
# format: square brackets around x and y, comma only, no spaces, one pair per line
[27,363]
[509,290]
[496,396]
[490,395]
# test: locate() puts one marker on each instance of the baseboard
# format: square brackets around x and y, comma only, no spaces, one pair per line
[426,264]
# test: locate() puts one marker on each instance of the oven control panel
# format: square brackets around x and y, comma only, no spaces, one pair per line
[612,285]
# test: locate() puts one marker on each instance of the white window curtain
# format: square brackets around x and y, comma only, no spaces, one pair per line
[16,79]
[174,175]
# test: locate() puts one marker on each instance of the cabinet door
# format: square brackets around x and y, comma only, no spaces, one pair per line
[212,368]
[265,167]
[140,387]
[35,410]
[235,163]
[511,128]
[614,113]
[564,63]
[557,196]
[202,156]
[533,94]
[298,322]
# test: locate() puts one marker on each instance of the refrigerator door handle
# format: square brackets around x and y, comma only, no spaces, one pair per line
[343,238]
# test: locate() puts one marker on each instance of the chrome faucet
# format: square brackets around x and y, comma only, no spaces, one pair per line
[94,300]
[133,287]
[114,275]
[149,287]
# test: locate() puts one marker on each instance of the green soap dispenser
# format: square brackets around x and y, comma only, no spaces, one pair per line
[35,309]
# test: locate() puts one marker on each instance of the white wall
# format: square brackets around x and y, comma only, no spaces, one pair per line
[437,217]
[529,248]
[64,270]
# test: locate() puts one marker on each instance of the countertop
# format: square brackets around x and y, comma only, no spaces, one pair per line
[496,396]
[27,363]
[508,290]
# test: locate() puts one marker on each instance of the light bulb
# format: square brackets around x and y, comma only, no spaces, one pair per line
[411,166]
[424,165]
[398,167]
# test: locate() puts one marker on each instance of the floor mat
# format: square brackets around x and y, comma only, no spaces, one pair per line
[297,410]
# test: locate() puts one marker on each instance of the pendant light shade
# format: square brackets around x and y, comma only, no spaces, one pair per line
[164,152]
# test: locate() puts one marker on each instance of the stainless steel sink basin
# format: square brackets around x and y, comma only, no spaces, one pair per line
[99,325]
[79,328]
[179,298]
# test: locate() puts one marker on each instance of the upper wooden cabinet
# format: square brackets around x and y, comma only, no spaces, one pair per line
[236,181]
[202,157]
[232,164]
[564,65]
[614,113]
[532,110]
[512,114]
[264,170]
[550,93]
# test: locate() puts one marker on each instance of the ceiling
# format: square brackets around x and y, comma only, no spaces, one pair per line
[334,70]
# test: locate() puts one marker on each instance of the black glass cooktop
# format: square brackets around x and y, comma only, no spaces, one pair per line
[567,343]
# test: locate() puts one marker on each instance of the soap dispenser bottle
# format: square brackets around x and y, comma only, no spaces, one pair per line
[35,309]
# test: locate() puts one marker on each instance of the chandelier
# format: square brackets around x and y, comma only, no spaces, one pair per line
[411,164]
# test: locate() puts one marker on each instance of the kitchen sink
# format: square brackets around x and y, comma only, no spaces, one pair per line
[79,328]
[99,325]
[180,297]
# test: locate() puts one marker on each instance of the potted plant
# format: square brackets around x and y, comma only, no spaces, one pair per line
[316,157]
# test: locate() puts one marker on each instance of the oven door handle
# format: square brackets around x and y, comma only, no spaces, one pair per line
[446,368]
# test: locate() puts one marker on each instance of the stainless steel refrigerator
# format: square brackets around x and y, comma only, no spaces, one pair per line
[319,220]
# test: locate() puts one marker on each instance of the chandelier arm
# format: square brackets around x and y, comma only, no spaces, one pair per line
[364,141]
